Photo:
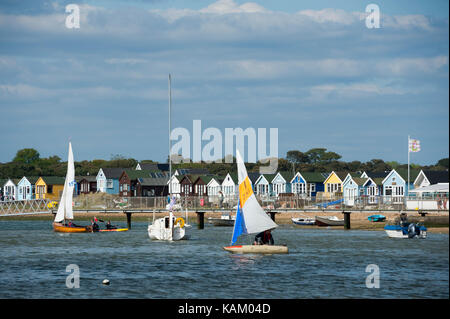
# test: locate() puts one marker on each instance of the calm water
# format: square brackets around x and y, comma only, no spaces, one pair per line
[322,263]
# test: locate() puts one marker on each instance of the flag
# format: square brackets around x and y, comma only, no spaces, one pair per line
[414,145]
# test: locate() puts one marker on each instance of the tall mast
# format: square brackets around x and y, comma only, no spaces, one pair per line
[170,157]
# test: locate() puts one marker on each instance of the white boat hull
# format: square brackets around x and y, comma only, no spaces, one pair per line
[160,230]
[257,249]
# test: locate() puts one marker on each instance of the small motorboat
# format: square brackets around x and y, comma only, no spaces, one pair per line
[377,218]
[406,230]
[329,221]
[303,221]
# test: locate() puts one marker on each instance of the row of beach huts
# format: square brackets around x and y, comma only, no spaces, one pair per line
[152,180]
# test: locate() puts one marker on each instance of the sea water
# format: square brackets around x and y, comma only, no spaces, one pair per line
[322,263]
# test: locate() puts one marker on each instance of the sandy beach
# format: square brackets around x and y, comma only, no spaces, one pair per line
[435,222]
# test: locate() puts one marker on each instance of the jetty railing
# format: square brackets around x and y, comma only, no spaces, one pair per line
[283,201]
[23,207]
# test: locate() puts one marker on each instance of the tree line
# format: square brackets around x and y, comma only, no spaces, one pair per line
[28,162]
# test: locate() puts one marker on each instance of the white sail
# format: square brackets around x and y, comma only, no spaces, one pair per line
[255,219]
[65,210]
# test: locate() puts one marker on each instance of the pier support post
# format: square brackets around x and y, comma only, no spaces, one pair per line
[346,220]
[200,220]
[128,220]
[272,215]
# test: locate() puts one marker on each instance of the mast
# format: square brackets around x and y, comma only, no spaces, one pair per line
[170,157]
[409,148]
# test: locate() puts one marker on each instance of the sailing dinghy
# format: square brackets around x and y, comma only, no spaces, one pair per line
[65,211]
[251,218]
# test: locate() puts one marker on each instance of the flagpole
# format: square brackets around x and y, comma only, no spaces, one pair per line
[409,149]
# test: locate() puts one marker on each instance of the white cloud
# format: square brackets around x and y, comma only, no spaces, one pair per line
[229,6]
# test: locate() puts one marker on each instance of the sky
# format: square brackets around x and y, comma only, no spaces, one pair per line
[312,69]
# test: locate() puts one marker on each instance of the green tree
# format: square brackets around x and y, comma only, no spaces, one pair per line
[443,162]
[315,155]
[26,156]
[297,157]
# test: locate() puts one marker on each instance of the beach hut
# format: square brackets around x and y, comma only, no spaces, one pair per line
[49,187]
[86,184]
[352,189]
[229,185]
[281,183]
[214,186]
[263,186]
[26,188]
[174,185]
[10,189]
[108,180]
[314,182]
[333,184]
[186,185]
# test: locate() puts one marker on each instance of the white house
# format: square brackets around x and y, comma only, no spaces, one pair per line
[427,178]
[263,186]
[10,190]
[229,185]
[214,186]
[174,185]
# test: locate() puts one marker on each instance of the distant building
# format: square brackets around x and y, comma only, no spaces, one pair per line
[108,180]
[86,184]
[10,189]
[49,187]
[427,178]
[333,183]
[263,186]
[163,167]
[26,188]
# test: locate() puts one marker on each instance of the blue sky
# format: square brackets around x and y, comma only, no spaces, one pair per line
[312,69]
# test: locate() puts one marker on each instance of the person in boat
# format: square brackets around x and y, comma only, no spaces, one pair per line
[109,226]
[264,238]
[95,226]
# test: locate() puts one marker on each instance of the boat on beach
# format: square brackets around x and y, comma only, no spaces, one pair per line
[224,220]
[250,218]
[303,221]
[64,216]
[329,221]
[376,218]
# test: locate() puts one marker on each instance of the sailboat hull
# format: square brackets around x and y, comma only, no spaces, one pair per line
[257,249]
[60,228]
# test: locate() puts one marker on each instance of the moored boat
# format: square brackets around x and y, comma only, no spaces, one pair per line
[224,220]
[303,221]
[376,218]
[406,230]
[329,221]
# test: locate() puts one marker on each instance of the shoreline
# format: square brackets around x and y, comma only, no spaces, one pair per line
[437,223]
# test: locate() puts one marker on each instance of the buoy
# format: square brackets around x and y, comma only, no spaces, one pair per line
[106,282]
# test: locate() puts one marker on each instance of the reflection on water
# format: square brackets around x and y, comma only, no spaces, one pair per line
[322,263]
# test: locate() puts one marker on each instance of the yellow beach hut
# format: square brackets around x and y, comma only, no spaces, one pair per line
[333,184]
[49,187]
